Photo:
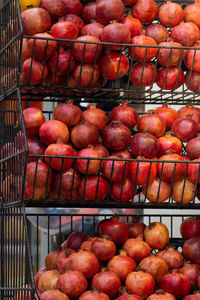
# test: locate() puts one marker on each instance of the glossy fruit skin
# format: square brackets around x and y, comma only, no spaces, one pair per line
[73,241]
[88,166]
[122,191]
[156,234]
[193,171]
[134,25]
[172,257]
[140,283]
[170,79]
[38,174]
[51,130]
[104,249]
[185,33]
[143,172]
[170,14]
[190,228]
[114,65]
[191,250]
[107,11]
[135,228]
[86,75]
[35,147]
[157,32]
[89,12]
[185,129]
[67,113]
[33,119]
[33,71]
[143,74]
[170,57]
[192,58]
[155,266]
[137,249]
[125,114]
[157,191]
[143,53]
[61,63]
[153,123]
[145,10]
[144,144]
[96,188]
[190,111]
[76,20]
[192,80]
[167,143]
[115,170]
[90,133]
[183,191]
[64,30]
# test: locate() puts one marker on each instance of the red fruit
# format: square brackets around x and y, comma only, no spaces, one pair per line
[176,284]
[136,248]
[125,114]
[48,280]
[73,6]
[193,171]
[157,32]
[134,25]
[172,257]
[143,74]
[116,33]
[87,52]
[115,170]
[107,282]
[145,10]
[157,191]
[67,113]
[114,65]
[93,295]
[192,58]
[103,248]
[156,235]
[192,272]
[135,228]
[195,296]
[38,174]
[127,296]
[33,119]
[34,71]
[116,136]
[74,240]
[38,275]
[62,63]
[170,14]
[168,143]
[122,191]
[129,2]
[144,144]
[51,130]
[62,260]
[86,75]
[116,230]
[190,228]
[121,265]
[89,12]
[34,193]
[183,191]
[140,283]
[191,250]
[55,9]
[143,172]
[190,111]
[71,195]
[76,20]
[155,266]
[107,11]
[93,188]
[64,30]
[167,169]
[68,180]
[192,80]
[124,154]
[93,29]
[53,295]
[25,51]
[84,134]
[169,56]
[191,13]
[186,34]
[95,116]
[35,147]
[51,260]
[153,123]
[161,295]
[170,78]
[103,152]
[35,20]
[143,53]
[169,114]
[88,166]
[72,283]
[185,128]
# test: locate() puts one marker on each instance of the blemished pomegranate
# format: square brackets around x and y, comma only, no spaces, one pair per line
[33,71]
[53,295]
[145,10]
[107,282]
[191,250]
[190,111]
[185,33]
[88,166]
[103,248]
[143,53]
[54,9]
[38,174]
[156,234]
[157,191]
[84,134]
[191,271]
[170,78]
[144,144]
[155,266]
[134,25]
[76,20]
[143,172]
[33,119]
[62,259]
[95,116]
[143,74]
[153,123]
[35,147]
[115,170]
[183,191]
[123,191]
[86,245]
[168,56]
[51,260]
[61,63]
[94,188]
[73,6]
[78,287]
[51,130]
[161,295]
[29,17]
[167,143]
[87,52]
[107,11]
[93,29]
[170,14]
[136,248]
[185,128]
[192,80]
[191,13]
[135,228]
[125,114]
[86,75]
[190,228]
[64,30]
[89,12]
[48,280]
[93,295]
[67,113]
[69,179]
[172,257]
[140,283]
[114,65]
[35,193]
[38,275]
[157,32]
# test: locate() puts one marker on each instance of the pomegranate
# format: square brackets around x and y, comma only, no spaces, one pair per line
[93,29]
[198,282]
[192,58]
[170,78]
[94,188]
[33,71]
[129,2]
[95,116]
[157,191]
[124,154]
[157,32]
[170,14]
[176,284]
[170,171]
[161,295]
[84,134]
[156,235]
[153,123]
[195,296]
[67,113]
[155,266]
[144,144]
[107,11]
[78,287]
[86,245]
[103,248]
[76,20]
[193,171]
[116,136]
[192,80]
[86,75]
[33,119]
[114,65]
[186,34]
[29,18]
[73,241]
[25,51]
[35,147]
[134,25]
[190,111]
[143,172]
[192,272]
[62,260]
[68,180]
[172,257]
[135,228]
[143,53]
[136,248]
[116,33]
[103,152]
[183,191]
[51,260]
[34,193]
[71,195]
[191,250]
[145,10]
[140,283]
[125,114]
[168,143]
[55,9]
[127,296]
[107,282]
[115,229]
[89,12]
[190,228]
[191,13]
[115,170]
[122,191]
[87,52]
[88,166]
[73,6]
[143,74]
[64,30]
[48,280]
[59,149]
[38,174]
[169,56]
[61,63]
[38,275]
[185,128]
[93,295]
[53,295]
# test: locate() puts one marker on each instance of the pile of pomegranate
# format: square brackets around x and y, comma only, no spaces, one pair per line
[91,156]
[123,261]
[77,45]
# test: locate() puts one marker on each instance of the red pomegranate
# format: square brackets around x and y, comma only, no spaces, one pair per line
[48,280]
[143,53]
[195,296]
[93,29]
[172,257]
[86,75]
[190,228]
[107,11]
[136,248]
[29,17]
[61,63]
[124,154]
[156,235]
[123,191]
[140,283]
[155,266]
[134,25]
[64,30]
[127,296]
[38,174]
[37,276]
[73,6]
[157,191]
[135,228]
[67,113]
[161,295]
[76,20]
[192,80]
[192,58]
[186,34]
[125,114]
[35,147]
[93,295]
[169,56]
[33,119]
[170,78]
[190,111]
[52,130]
[145,10]
[144,144]
[192,272]
[95,116]
[157,32]
[86,245]
[84,134]
[51,260]
[103,248]
[168,143]
[73,241]
[53,295]
[167,169]
[89,12]
[62,259]
[170,14]
[94,188]
[191,250]
[114,65]
[143,172]
[191,13]
[88,166]
[33,71]
[169,114]
[103,152]
[185,128]
[193,171]
[183,191]
[143,74]
[69,179]
[55,9]
[153,123]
